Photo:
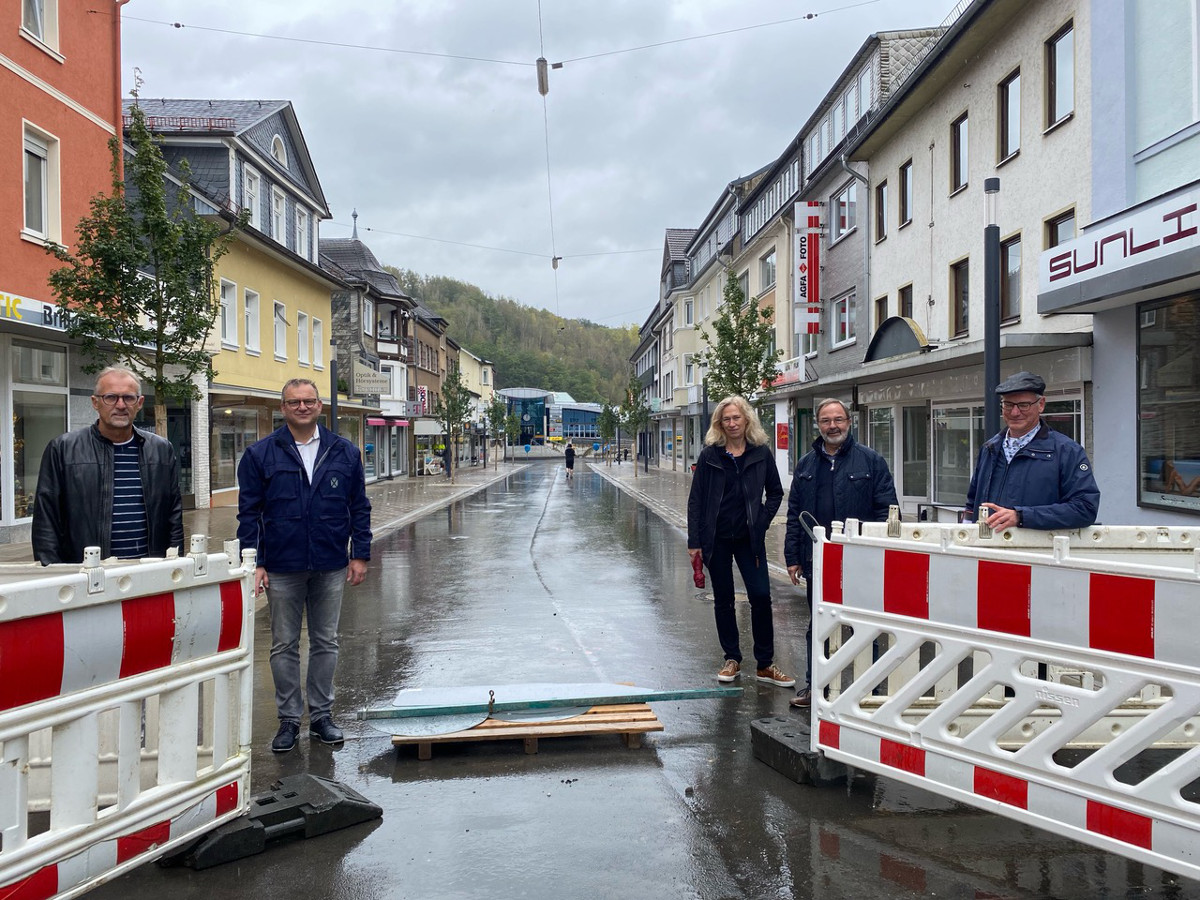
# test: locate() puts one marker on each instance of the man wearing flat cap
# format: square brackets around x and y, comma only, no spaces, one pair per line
[1028,475]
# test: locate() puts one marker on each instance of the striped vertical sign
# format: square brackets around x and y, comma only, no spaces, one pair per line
[808,267]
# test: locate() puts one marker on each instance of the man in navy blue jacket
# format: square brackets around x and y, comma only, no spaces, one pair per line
[838,479]
[303,506]
[1030,476]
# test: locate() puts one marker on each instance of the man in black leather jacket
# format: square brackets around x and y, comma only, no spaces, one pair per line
[838,479]
[74,500]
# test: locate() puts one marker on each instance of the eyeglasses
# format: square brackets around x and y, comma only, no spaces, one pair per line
[306,402]
[840,420]
[111,399]
[1023,406]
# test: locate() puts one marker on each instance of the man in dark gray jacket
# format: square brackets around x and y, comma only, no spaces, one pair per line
[838,479]
[110,486]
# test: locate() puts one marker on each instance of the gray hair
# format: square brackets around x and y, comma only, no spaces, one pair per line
[116,370]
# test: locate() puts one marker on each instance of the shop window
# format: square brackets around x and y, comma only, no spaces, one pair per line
[957,437]
[233,430]
[915,465]
[37,418]
[881,434]
[1169,403]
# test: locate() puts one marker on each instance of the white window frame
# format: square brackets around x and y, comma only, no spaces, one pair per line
[842,310]
[689,369]
[228,293]
[279,216]
[368,316]
[302,344]
[279,151]
[847,196]
[279,327]
[39,23]
[960,153]
[44,147]
[251,200]
[252,306]
[302,231]
[689,311]
[318,337]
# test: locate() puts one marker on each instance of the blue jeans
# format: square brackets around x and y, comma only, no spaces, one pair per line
[751,558]
[290,596]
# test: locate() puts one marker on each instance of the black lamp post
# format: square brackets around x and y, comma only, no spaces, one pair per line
[333,387]
[991,309]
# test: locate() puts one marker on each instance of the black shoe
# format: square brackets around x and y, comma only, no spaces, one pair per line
[285,738]
[802,700]
[325,731]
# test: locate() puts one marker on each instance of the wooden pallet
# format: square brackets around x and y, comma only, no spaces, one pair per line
[630,720]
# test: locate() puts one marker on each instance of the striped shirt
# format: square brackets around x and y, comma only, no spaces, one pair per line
[130,536]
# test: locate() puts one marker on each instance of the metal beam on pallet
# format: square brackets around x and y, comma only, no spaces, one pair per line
[493,705]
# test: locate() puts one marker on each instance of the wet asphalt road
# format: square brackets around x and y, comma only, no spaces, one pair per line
[538,579]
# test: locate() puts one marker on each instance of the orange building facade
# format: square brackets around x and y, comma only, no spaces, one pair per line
[60,105]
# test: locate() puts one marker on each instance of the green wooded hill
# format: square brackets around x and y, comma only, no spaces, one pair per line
[529,347]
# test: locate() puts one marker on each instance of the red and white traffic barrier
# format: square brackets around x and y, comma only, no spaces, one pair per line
[964,664]
[125,713]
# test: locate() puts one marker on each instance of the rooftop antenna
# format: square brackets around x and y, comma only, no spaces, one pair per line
[354,234]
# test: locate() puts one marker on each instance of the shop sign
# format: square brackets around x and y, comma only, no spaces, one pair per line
[1159,231]
[368,381]
[15,308]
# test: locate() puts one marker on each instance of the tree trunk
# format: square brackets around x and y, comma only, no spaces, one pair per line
[160,414]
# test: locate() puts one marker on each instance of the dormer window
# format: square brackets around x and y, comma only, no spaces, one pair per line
[279,151]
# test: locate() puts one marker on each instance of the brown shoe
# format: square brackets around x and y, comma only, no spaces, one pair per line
[802,700]
[772,674]
[729,671]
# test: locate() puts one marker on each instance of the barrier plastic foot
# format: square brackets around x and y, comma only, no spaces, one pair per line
[784,743]
[298,806]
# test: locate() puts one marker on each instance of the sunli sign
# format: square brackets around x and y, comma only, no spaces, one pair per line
[1150,234]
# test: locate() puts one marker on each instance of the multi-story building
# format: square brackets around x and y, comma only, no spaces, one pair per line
[993,98]
[372,317]
[804,238]
[1134,265]
[426,371]
[59,76]
[275,319]
[662,326]
[479,378]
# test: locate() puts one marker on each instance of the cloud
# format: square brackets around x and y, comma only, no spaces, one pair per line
[456,149]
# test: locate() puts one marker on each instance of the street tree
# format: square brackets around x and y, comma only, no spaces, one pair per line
[453,409]
[607,423]
[137,287]
[635,413]
[495,414]
[512,428]
[740,357]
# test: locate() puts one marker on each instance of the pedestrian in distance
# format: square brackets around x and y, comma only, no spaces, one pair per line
[1029,475]
[569,459]
[735,494]
[838,479]
[111,485]
[303,506]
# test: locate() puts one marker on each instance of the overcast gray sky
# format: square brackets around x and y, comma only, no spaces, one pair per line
[442,148]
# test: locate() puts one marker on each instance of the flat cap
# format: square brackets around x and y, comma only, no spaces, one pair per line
[1022,381]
